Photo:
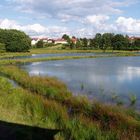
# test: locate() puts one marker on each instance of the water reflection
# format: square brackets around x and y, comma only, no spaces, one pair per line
[58,55]
[98,77]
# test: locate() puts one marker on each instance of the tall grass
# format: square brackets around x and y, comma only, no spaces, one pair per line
[133,99]
[75,115]
[21,106]
[49,87]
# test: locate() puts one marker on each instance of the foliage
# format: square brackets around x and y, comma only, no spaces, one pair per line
[105,41]
[133,99]
[135,45]
[98,38]
[39,44]
[120,42]
[15,41]
[2,47]
[66,37]
[70,43]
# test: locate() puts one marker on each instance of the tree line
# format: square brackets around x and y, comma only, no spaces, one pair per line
[106,41]
[14,41]
[17,41]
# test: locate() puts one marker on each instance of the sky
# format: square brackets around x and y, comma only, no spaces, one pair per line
[81,18]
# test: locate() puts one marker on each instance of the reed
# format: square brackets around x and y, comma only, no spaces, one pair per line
[21,106]
[133,99]
[46,102]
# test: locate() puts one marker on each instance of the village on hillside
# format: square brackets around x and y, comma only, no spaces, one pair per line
[51,40]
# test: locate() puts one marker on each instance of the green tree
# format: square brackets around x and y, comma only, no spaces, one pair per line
[39,44]
[120,42]
[15,41]
[98,41]
[71,44]
[136,44]
[2,47]
[66,37]
[78,44]
[106,41]
[85,43]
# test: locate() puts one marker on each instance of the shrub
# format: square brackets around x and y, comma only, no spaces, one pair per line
[15,41]
[39,44]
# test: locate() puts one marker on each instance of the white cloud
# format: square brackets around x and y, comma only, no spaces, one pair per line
[33,29]
[37,28]
[30,29]
[70,9]
[96,23]
[8,24]
[83,17]
[128,25]
[97,19]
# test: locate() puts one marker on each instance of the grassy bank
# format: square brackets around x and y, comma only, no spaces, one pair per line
[80,118]
[20,106]
[47,51]
[22,61]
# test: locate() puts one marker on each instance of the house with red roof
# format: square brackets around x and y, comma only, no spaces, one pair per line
[60,41]
[133,38]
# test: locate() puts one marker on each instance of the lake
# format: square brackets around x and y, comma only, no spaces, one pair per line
[58,55]
[98,78]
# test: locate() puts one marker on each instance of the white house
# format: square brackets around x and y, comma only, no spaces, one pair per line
[60,41]
[49,40]
[34,41]
[45,39]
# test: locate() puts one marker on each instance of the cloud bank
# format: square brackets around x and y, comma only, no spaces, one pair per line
[75,17]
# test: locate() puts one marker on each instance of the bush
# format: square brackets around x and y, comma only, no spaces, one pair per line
[39,44]
[2,47]
[15,41]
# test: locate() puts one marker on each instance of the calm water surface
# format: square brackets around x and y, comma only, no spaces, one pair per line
[99,78]
[58,55]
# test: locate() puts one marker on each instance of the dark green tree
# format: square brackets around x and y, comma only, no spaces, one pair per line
[137,42]
[85,43]
[78,44]
[2,47]
[135,45]
[106,41]
[98,41]
[15,41]
[39,44]
[120,42]
[66,37]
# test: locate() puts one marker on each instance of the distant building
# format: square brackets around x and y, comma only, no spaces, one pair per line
[45,39]
[74,40]
[133,38]
[50,40]
[34,41]
[60,41]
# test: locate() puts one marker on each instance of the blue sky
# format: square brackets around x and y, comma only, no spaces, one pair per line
[82,18]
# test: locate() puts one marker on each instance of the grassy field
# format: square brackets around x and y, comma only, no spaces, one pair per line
[46,102]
